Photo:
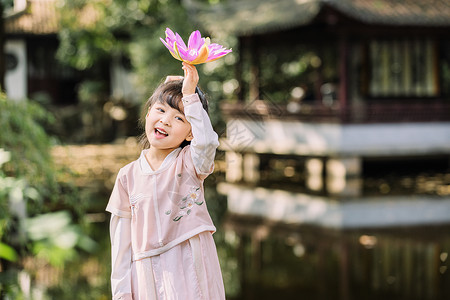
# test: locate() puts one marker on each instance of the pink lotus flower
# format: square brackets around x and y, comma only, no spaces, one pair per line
[199,50]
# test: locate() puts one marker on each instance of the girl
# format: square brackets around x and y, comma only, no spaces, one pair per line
[161,232]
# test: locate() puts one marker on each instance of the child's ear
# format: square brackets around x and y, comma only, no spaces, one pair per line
[189,136]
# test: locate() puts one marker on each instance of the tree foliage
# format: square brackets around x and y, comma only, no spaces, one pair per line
[131,29]
[39,212]
[29,146]
[24,137]
[95,30]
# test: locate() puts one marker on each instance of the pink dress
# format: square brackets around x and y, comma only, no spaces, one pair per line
[161,231]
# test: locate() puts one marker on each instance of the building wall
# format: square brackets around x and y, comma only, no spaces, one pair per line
[309,139]
[16,78]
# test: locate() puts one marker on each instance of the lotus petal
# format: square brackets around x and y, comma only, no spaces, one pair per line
[170,47]
[180,42]
[198,50]
[170,36]
[177,52]
[195,40]
[202,56]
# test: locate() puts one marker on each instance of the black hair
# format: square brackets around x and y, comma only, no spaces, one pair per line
[171,94]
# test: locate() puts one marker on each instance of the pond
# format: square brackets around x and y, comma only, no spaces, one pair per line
[279,239]
[387,236]
[297,262]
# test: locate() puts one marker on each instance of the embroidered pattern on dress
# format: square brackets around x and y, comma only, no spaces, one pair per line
[187,203]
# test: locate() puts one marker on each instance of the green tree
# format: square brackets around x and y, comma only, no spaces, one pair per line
[124,28]
[40,213]
[95,31]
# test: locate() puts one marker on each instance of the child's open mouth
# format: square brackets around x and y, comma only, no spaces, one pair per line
[160,133]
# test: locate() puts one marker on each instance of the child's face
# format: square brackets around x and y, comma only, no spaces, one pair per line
[166,128]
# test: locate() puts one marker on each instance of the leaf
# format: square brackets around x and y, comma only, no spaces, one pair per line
[177,218]
[7,252]
[87,244]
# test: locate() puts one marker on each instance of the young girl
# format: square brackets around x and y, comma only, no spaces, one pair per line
[161,231]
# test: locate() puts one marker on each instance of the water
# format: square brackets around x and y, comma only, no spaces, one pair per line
[278,239]
[300,262]
[389,240]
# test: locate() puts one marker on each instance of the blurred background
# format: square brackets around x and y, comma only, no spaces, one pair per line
[332,180]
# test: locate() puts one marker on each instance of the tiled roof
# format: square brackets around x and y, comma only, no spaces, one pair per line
[43,17]
[40,17]
[397,12]
[245,17]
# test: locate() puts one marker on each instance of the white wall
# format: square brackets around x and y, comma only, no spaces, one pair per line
[20,5]
[285,137]
[16,79]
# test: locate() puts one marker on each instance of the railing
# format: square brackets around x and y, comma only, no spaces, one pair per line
[385,111]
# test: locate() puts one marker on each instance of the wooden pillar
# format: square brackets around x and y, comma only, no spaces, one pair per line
[344,167]
[256,249]
[255,264]
[254,93]
[242,261]
[407,270]
[323,251]
[343,176]
[343,73]
[314,173]
[234,166]
[240,91]
[344,283]
[251,167]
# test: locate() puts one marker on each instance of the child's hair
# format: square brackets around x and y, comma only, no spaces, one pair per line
[171,94]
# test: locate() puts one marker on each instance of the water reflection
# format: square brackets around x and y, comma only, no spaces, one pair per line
[380,237]
[281,239]
[303,262]
[338,213]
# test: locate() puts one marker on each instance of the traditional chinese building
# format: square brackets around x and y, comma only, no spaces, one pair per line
[32,69]
[338,82]
[30,48]
[328,89]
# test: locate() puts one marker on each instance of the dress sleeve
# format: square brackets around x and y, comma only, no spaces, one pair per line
[120,231]
[205,142]
[119,204]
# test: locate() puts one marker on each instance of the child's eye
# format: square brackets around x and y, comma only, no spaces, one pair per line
[160,109]
[179,119]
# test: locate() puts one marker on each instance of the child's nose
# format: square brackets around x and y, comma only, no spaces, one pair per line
[165,120]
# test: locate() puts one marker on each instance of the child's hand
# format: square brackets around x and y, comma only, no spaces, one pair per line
[190,79]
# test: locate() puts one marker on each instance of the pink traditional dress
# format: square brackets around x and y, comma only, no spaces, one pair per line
[161,231]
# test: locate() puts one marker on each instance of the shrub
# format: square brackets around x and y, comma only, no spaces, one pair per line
[37,209]
[23,136]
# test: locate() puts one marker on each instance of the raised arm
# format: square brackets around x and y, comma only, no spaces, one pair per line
[205,141]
